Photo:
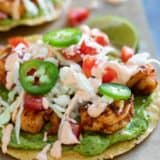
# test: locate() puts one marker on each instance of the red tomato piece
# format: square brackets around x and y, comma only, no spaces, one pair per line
[85,49]
[77,16]
[126,53]
[14,41]
[109,75]
[87,65]
[102,40]
[33,102]
[76,129]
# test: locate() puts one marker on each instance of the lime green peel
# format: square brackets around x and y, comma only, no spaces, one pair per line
[120,31]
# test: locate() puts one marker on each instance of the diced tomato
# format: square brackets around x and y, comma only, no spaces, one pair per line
[109,75]
[3,15]
[126,53]
[85,49]
[87,65]
[76,57]
[33,102]
[101,40]
[14,41]
[77,16]
[76,129]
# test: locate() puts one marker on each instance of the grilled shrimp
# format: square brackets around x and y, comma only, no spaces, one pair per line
[55,122]
[116,116]
[2,72]
[4,52]
[32,121]
[144,81]
[13,8]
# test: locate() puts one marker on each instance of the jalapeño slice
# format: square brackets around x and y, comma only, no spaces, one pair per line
[63,38]
[37,77]
[115,91]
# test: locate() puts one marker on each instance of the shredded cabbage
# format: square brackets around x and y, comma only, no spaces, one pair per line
[30,7]
[57,109]
[18,123]
[3,103]
[47,7]
[5,117]
[62,100]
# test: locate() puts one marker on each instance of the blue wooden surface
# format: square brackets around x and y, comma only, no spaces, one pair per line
[152,10]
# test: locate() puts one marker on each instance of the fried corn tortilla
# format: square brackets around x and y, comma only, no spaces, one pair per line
[117,149]
[9,24]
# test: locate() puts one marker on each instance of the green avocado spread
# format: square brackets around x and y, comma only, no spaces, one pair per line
[94,143]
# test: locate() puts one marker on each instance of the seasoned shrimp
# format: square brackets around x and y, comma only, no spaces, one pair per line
[2,72]
[8,7]
[115,117]
[55,122]
[32,121]
[144,81]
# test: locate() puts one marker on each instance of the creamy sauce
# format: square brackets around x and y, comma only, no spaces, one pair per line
[9,66]
[45,137]
[124,71]
[79,97]
[43,154]
[66,135]
[6,137]
[56,150]
[95,110]
[45,103]
[85,29]
[98,106]
[139,59]
[12,62]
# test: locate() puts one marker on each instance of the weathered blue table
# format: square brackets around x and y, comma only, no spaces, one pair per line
[153,12]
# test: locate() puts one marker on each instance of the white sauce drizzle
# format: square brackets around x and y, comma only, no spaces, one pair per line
[12,64]
[9,66]
[6,137]
[65,134]
[124,71]
[95,110]
[43,154]
[45,103]
[56,150]
[45,137]
[79,97]
[99,105]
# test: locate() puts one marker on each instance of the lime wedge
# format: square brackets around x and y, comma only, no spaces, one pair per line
[120,31]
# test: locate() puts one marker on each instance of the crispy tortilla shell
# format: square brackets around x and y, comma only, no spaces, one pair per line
[115,150]
[37,20]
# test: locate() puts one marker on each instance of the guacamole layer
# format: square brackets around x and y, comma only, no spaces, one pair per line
[93,143]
